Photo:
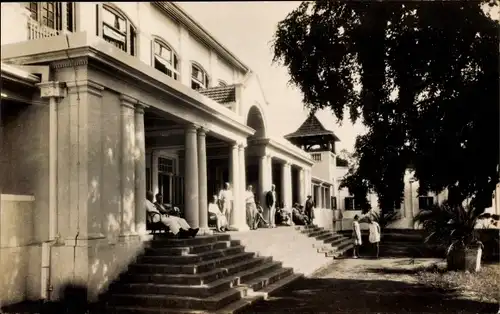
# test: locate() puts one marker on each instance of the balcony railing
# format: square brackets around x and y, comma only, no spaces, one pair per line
[37,30]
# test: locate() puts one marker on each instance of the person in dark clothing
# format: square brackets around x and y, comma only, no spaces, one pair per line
[271,206]
[298,216]
[309,209]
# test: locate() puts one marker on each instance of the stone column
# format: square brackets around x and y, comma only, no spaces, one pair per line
[128,164]
[53,91]
[302,182]
[140,170]
[286,184]
[64,17]
[234,180]
[191,183]
[263,176]
[202,179]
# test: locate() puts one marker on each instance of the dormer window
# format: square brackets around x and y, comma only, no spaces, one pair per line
[117,30]
[199,78]
[165,59]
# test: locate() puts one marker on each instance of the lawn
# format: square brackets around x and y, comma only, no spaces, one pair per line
[483,285]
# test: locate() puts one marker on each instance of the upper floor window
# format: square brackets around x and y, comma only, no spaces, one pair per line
[116,29]
[165,59]
[222,83]
[50,14]
[199,78]
[316,157]
[349,203]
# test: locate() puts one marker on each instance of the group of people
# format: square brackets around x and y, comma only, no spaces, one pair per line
[373,238]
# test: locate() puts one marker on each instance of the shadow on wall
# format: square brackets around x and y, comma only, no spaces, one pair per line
[73,300]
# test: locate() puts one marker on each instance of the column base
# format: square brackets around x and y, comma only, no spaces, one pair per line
[239,228]
[205,231]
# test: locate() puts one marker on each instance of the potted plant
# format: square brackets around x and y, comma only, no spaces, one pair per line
[454,228]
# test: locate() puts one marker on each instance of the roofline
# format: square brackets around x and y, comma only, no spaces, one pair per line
[13,73]
[291,135]
[179,14]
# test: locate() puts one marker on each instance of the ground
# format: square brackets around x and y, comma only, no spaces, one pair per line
[386,285]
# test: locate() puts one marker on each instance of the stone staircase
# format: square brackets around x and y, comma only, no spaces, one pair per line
[328,242]
[207,274]
[296,247]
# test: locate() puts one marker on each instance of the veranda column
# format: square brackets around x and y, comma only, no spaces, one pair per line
[127,165]
[302,182]
[263,174]
[140,170]
[241,222]
[202,179]
[234,180]
[53,91]
[288,185]
[191,184]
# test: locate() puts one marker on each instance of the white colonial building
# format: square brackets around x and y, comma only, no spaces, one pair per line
[102,102]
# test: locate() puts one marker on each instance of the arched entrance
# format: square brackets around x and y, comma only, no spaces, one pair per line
[255,120]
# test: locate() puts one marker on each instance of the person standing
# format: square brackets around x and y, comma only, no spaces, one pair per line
[309,209]
[356,234]
[374,237]
[226,201]
[271,205]
[251,208]
[213,210]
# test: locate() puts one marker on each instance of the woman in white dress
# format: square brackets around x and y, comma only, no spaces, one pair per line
[374,237]
[251,208]
[221,220]
[356,235]
[226,201]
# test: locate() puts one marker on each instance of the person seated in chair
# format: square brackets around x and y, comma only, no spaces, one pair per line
[215,214]
[298,216]
[166,209]
[259,217]
[178,226]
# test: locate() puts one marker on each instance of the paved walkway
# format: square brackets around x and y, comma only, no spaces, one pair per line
[368,286]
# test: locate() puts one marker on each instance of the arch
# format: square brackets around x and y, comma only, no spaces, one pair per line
[255,119]
[162,42]
[202,68]
[113,7]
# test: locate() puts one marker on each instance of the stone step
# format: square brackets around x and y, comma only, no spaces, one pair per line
[190,268]
[164,241]
[318,233]
[266,279]
[195,279]
[186,250]
[340,251]
[191,258]
[330,239]
[204,290]
[155,301]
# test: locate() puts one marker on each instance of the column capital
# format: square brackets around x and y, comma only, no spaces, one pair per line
[139,107]
[241,146]
[202,131]
[128,101]
[87,86]
[51,89]
[191,127]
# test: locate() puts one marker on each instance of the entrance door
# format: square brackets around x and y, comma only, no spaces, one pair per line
[164,186]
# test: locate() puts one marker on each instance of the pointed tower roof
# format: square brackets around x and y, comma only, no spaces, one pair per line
[312,127]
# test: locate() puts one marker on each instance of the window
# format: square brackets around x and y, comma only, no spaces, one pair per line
[349,203]
[199,78]
[50,14]
[116,29]
[165,59]
[222,83]
[334,202]
[425,202]
[316,157]
[166,165]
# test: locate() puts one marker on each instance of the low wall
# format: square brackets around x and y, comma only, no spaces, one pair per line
[323,218]
[17,251]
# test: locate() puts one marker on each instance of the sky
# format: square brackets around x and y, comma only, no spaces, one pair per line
[247,29]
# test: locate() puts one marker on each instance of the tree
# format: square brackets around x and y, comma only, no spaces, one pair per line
[423,78]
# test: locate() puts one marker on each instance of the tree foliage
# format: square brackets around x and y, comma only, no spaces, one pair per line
[423,78]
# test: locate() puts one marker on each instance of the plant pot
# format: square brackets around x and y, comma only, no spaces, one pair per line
[465,258]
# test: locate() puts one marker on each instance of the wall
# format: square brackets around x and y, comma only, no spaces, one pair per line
[17,249]
[321,169]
